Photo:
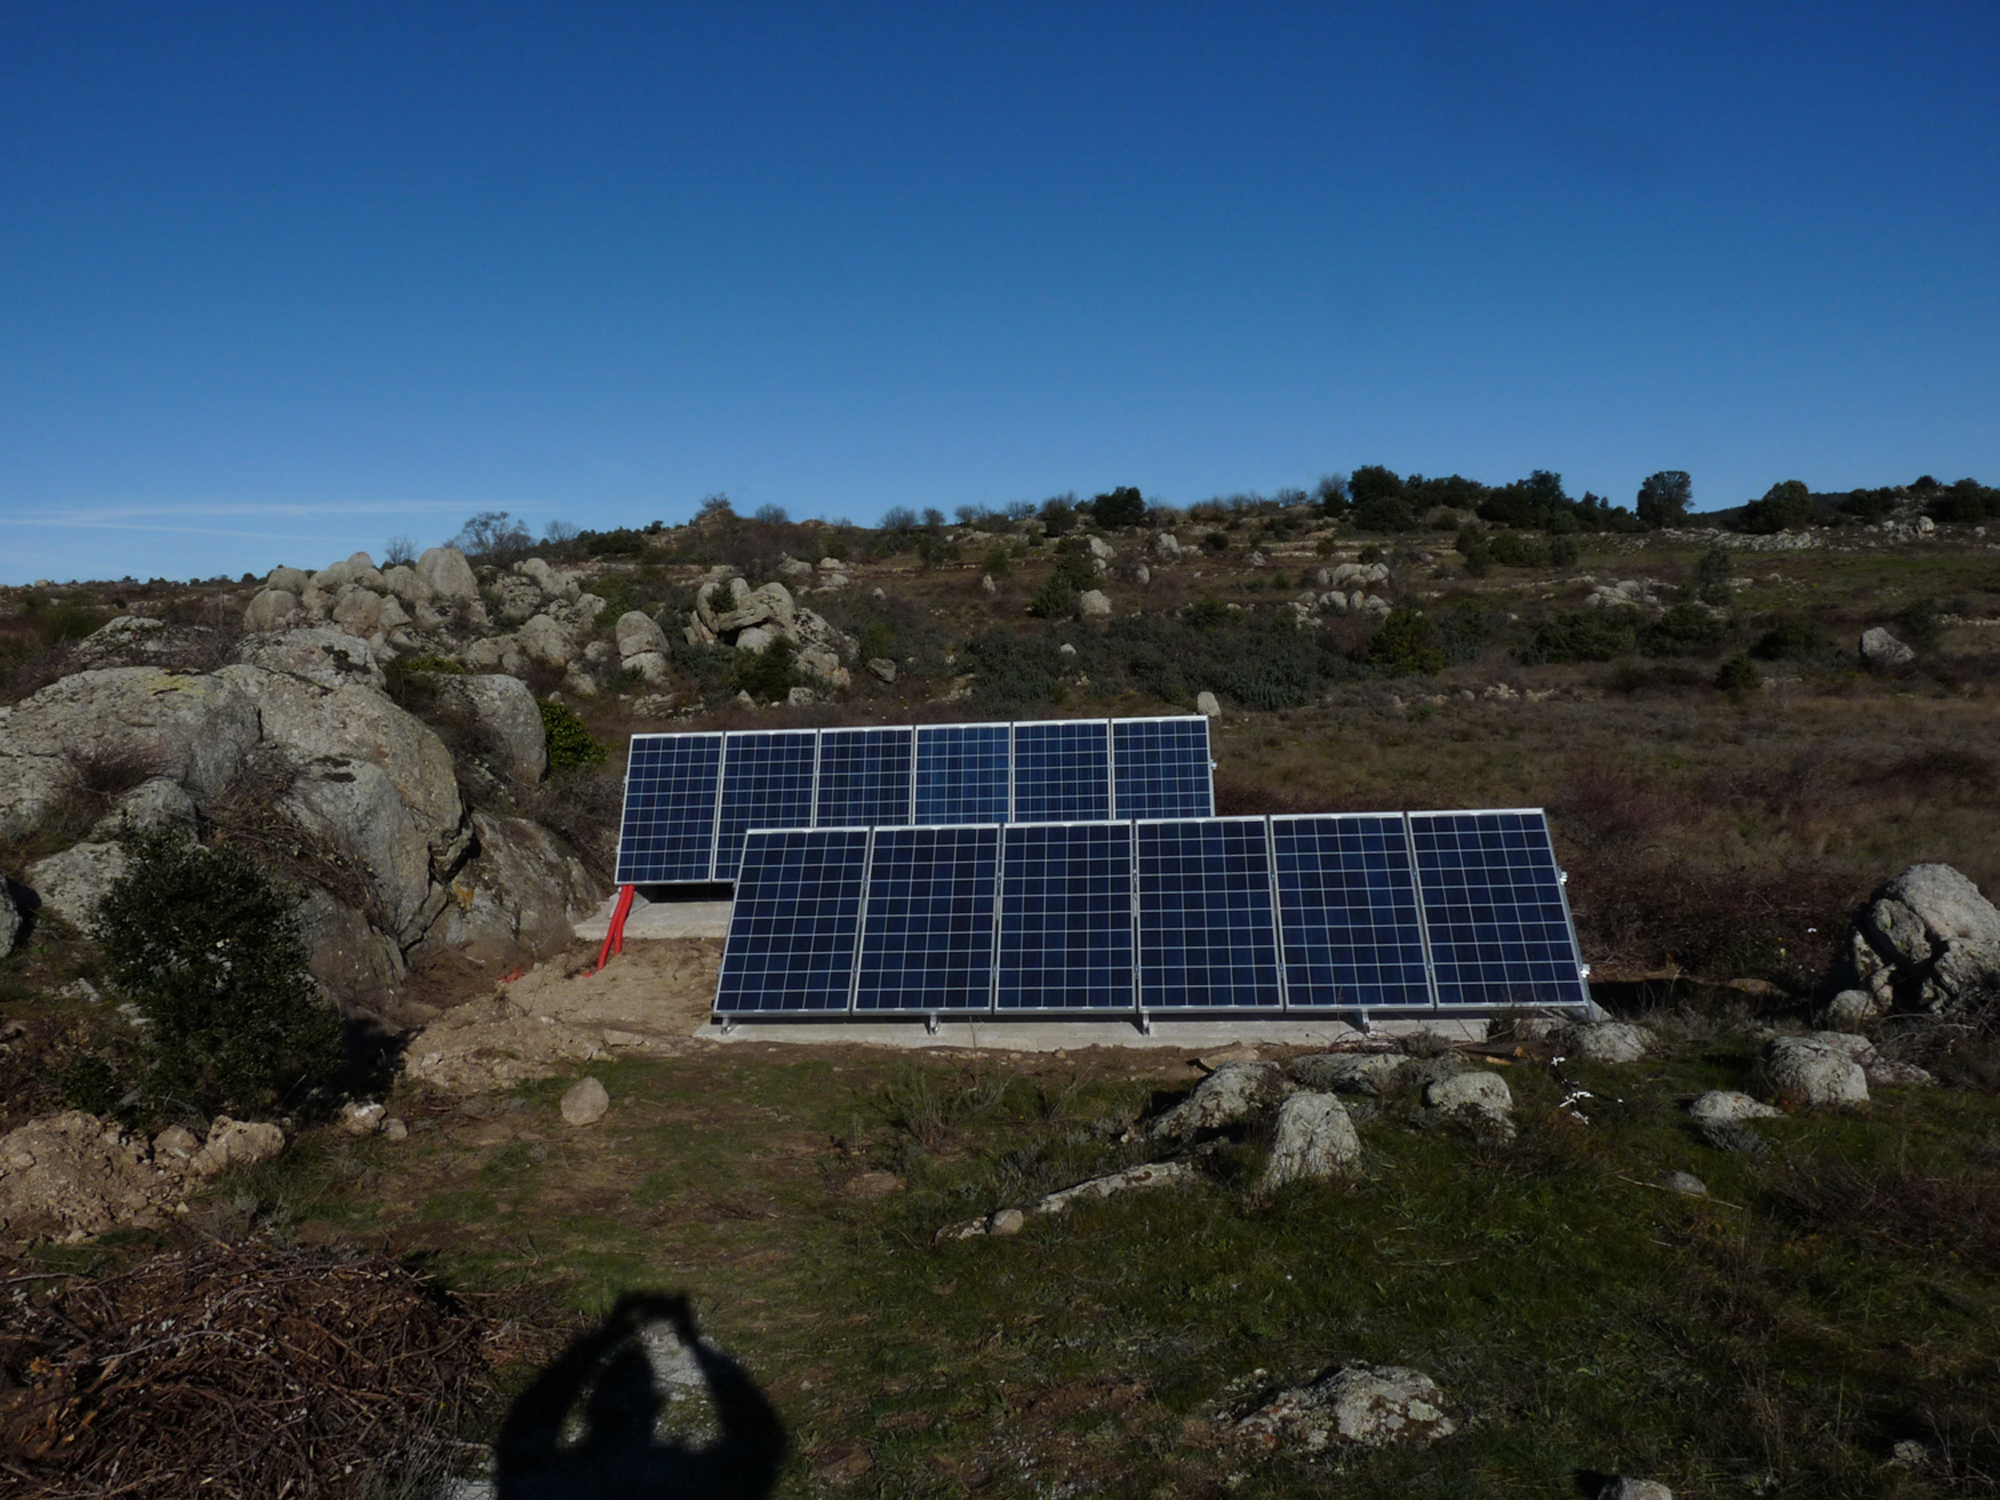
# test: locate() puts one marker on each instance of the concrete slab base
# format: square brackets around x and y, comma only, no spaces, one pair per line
[1060,1036]
[659,919]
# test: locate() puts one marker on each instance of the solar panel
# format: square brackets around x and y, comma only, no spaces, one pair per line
[1066,917]
[1160,768]
[667,832]
[864,777]
[1494,908]
[927,928]
[1348,913]
[962,773]
[1206,935]
[767,782]
[793,929]
[1062,771]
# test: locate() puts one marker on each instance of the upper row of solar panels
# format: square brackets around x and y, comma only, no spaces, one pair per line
[690,798]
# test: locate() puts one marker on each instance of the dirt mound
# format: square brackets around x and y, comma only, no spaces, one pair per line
[654,996]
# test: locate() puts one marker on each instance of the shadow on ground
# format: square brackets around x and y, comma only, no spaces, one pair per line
[590,1424]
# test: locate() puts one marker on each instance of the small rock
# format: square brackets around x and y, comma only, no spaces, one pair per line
[1007,1221]
[1635,1489]
[1349,1072]
[394,1129]
[1093,604]
[1726,1104]
[1367,1405]
[882,667]
[1813,1072]
[1205,704]
[1484,1096]
[1684,1182]
[1314,1140]
[237,1143]
[585,1103]
[986,584]
[176,1142]
[1850,1010]
[1606,1041]
[1882,650]
[362,1117]
[1233,1092]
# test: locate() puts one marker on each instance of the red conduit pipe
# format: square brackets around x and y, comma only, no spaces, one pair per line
[614,935]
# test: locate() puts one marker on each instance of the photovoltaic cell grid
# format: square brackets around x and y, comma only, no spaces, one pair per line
[1207,940]
[767,782]
[1062,772]
[1066,917]
[962,773]
[792,933]
[667,832]
[1494,908]
[1160,768]
[1359,901]
[1347,900]
[927,929]
[864,777]
[689,797]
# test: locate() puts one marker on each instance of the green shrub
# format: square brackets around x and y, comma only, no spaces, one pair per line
[1587,635]
[1710,582]
[1057,596]
[1519,549]
[1564,551]
[1477,551]
[207,945]
[570,740]
[1215,541]
[1921,624]
[1738,674]
[999,561]
[768,675]
[1388,513]
[1406,644]
[1793,638]
[1684,630]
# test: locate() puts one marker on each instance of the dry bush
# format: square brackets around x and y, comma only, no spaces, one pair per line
[250,814]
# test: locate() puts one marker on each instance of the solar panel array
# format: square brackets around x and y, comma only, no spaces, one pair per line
[690,798]
[1315,913]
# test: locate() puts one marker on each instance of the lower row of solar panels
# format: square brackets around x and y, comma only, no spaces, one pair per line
[1356,912]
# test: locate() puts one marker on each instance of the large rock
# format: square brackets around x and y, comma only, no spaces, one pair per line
[71,883]
[1815,1072]
[585,1102]
[518,896]
[1729,1106]
[1930,941]
[503,721]
[1314,1140]
[1166,547]
[1369,1406]
[193,730]
[448,576]
[377,782]
[1093,604]
[292,580]
[12,918]
[358,610]
[638,633]
[406,584]
[271,609]
[1232,1093]
[547,641]
[1882,650]
[319,654]
[359,966]
[147,805]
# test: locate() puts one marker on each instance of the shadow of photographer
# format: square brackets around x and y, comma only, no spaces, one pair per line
[605,1390]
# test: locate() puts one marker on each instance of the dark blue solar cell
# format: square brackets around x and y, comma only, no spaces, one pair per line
[1066,917]
[667,832]
[962,773]
[927,928]
[1206,936]
[1494,907]
[1347,913]
[767,782]
[864,777]
[1062,771]
[1160,768]
[793,928]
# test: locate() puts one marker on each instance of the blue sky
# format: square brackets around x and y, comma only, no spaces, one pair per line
[279,282]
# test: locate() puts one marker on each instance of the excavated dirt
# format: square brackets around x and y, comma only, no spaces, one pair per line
[652,997]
